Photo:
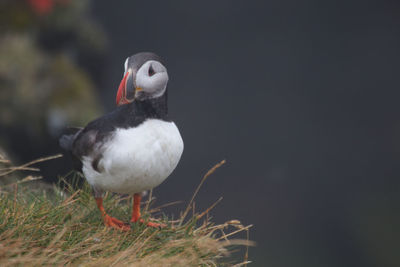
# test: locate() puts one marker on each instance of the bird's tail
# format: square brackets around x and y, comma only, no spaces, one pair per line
[66,140]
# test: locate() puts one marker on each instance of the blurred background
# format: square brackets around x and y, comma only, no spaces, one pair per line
[300,97]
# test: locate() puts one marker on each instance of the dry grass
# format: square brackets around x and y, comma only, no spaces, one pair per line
[63,227]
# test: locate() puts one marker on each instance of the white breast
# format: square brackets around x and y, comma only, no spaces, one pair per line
[137,159]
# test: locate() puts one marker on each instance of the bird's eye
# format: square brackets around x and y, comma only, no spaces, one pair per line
[151,71]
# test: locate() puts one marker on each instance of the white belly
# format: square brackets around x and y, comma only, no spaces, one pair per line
[137,159]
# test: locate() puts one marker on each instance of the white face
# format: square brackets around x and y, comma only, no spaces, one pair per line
[125,65]
[151,80]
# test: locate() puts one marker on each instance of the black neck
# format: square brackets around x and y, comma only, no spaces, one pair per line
[150,108]
[130,115]
[159,105]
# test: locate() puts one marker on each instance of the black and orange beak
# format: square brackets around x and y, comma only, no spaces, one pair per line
[126,91]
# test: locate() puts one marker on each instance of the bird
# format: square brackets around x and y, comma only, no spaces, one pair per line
[135,147]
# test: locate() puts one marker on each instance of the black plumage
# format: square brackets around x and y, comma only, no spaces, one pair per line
[88,141]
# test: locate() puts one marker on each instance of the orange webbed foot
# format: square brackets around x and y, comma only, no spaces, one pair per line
[153,224]
[149,224]
[108,220]
[115,223]
[136,217]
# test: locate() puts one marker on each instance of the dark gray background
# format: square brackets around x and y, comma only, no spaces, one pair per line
[301,99]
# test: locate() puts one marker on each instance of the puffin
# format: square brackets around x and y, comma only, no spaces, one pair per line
[135,147]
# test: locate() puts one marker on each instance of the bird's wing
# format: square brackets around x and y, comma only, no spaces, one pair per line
[89,141]
[83,143]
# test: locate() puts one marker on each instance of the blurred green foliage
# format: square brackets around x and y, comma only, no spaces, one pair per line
[33,85]
[48,51]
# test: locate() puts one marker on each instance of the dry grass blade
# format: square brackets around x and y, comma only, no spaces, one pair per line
[13,169]
[238,242]
[235,232]
[20,169]
[210,208]
[158,208]
[241,264]
[26,179]
[4,160]
[198,188]
[150,198]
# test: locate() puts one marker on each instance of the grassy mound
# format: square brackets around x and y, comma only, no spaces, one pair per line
[64,227]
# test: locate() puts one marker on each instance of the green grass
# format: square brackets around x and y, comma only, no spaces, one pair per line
[56,226]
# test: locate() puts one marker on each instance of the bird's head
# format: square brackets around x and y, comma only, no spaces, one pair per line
[145,77]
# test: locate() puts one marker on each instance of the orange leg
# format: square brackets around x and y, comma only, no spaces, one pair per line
[136,207]
[108,220]
[136,212]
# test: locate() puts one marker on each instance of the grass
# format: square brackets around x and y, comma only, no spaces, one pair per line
[53,226]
